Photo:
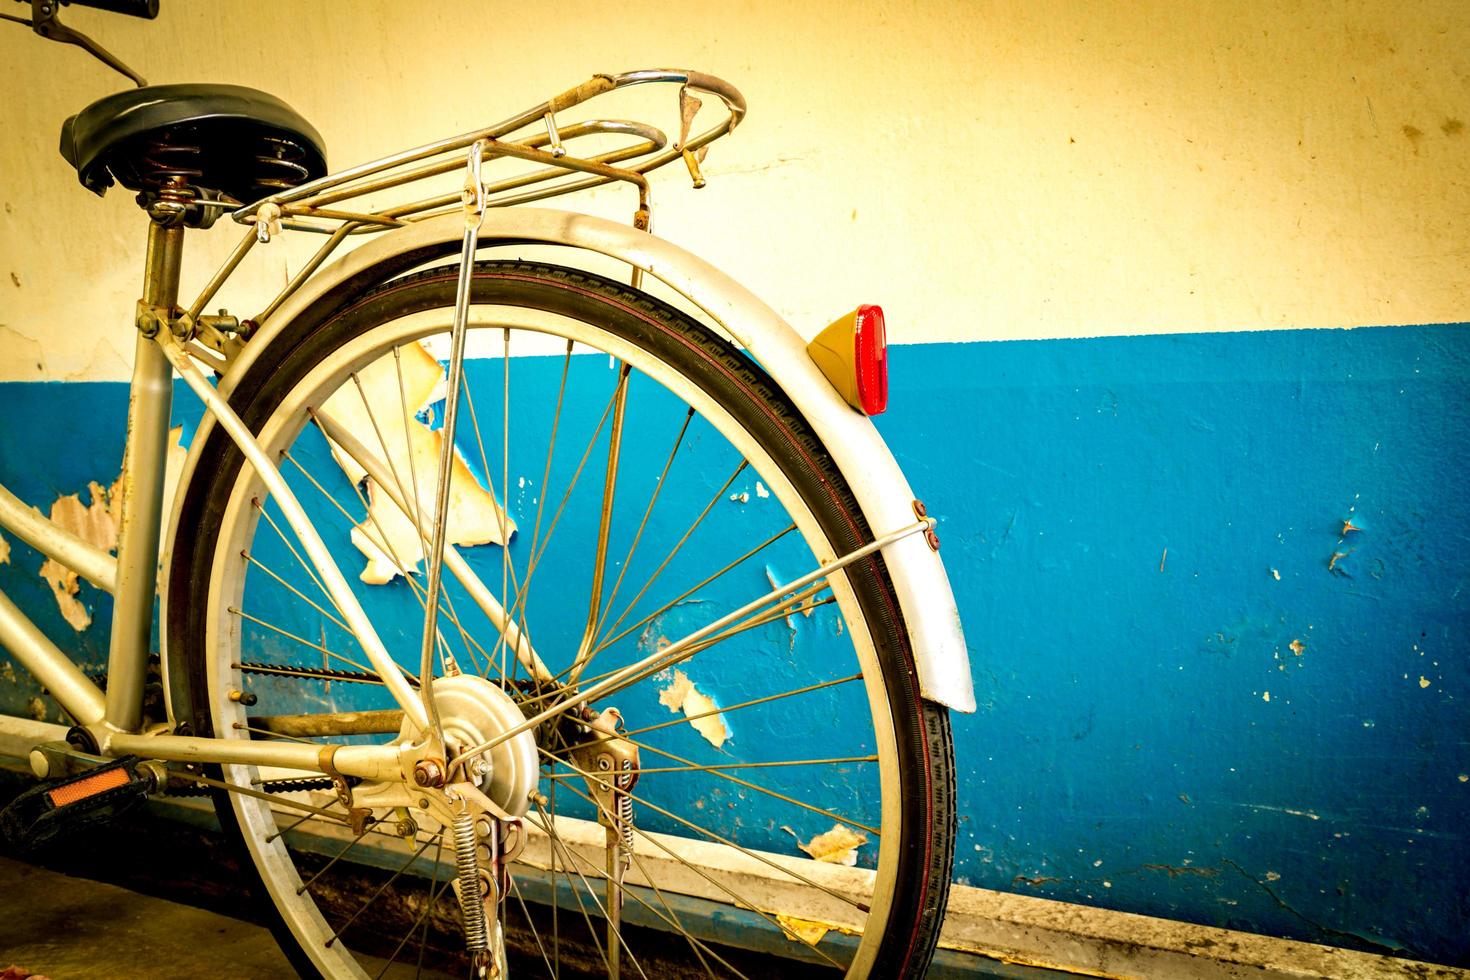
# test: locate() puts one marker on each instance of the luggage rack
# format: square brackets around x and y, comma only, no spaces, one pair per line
[325,206]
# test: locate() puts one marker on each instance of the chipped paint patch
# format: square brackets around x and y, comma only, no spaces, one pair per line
[4,551]
[682,695]
[837,846]
[412,448]
[95,523]
[802,930]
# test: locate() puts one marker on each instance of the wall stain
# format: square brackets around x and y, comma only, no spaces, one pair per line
[1175,871]
[1450,127]
[1038,880]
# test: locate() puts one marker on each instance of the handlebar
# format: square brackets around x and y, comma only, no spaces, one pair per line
[147,9]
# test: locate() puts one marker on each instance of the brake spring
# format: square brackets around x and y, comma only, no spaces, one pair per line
[471,901]
[625,809]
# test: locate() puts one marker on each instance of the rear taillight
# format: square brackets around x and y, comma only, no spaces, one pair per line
[853,353]
[870,346]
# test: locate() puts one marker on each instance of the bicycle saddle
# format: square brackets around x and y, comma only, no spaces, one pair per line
[224,139]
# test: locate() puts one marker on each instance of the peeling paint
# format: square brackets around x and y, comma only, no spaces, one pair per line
[475,517]
[802,930]
[682,695]
[837,846]
[97,525]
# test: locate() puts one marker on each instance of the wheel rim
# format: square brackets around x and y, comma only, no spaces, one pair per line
[229,590]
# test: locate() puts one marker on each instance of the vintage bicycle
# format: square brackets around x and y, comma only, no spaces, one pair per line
[649,635]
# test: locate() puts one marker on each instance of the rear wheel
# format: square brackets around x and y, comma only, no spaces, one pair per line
[648,478]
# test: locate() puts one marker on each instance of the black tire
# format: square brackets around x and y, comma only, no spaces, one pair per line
[922,729]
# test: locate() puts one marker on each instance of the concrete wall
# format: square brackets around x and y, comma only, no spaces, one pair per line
[988,170]
[1201,697]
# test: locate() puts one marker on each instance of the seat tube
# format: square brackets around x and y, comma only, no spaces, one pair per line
[150,399]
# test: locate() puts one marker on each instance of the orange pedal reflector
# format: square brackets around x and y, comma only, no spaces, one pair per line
[90,786]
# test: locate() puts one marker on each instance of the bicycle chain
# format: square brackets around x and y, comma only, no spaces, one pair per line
[312,673]
[295,784]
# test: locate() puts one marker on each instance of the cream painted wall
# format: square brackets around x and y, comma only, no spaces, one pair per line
[985,170]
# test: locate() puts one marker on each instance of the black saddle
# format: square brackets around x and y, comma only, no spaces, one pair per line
[217,139]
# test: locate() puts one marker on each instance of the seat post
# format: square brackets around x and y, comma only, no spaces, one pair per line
[150,400]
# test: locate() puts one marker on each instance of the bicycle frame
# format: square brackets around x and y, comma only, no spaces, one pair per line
[173,340]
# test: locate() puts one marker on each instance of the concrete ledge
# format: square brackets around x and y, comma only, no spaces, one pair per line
[1092,942]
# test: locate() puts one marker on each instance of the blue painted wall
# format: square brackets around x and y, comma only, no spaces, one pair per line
[1188,708]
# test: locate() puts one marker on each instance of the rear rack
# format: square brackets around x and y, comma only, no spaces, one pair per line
[335,205]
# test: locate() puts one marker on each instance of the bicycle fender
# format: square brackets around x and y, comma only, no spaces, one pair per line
[881,490]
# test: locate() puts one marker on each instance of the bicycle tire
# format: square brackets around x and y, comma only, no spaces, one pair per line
[922,745]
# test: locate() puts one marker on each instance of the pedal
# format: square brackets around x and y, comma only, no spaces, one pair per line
[61,807]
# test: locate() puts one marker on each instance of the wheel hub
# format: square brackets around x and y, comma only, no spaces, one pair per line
[472,710]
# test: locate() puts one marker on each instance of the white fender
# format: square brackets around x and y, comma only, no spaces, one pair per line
[880,488]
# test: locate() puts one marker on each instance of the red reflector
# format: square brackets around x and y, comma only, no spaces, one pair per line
[870,349]
[91,786]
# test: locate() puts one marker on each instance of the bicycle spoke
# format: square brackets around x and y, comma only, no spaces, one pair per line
[658,487]
[530,921]
[641,801]
[673,919]
[745,704]
[505,476]
[383,543]
[328,866]
[424,935]
[695,588]
[545,478]
[719,772]
[422,920]
[739,900]
[302,640]
[471,582]
[604,526]
[556,842]
[546,825]
[507,564]
[295,591]
[305,565]
[535,559]
[719,495]
[383,887]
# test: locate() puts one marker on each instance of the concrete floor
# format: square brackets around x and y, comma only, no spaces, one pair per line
[73,929]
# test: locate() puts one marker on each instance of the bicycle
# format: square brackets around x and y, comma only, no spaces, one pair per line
[555,773]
